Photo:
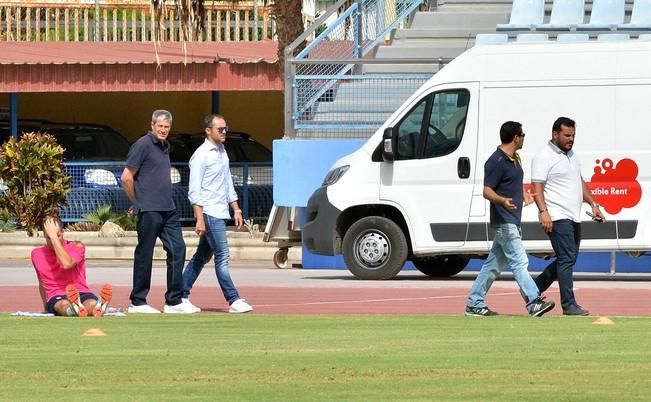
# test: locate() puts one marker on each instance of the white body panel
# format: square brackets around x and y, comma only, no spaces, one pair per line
[605,87]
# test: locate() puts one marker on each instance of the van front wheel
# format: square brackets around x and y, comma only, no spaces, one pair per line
[375,248]
[441,267]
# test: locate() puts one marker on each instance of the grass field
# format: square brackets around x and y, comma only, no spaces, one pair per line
[356,358]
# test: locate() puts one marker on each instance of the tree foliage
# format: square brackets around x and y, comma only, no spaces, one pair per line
[191,15]
[32,171]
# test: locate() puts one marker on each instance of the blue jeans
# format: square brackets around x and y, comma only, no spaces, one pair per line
[213,242]
[507,250]
[167,226]
[566,239]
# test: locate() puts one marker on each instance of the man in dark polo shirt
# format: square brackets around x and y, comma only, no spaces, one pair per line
[503,187]
[146,180]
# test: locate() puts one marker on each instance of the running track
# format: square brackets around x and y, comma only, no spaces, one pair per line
[297,291]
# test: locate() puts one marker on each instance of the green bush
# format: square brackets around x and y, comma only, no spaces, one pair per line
[101,216]
[125,221]
[32,170]
[6,221]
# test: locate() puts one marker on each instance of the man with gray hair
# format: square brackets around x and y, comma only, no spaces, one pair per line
[147,182]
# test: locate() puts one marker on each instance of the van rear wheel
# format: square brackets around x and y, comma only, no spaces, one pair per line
[442,266]
[375,248]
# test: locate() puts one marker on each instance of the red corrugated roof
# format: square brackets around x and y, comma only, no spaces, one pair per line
[131,66]
[19,53]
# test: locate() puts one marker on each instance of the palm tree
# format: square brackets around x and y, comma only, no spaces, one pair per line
[192,17]
[289,21]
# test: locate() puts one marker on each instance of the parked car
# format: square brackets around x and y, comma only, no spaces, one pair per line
[241,149]
[243,153]
[88,143]
[82,142]
[94,157]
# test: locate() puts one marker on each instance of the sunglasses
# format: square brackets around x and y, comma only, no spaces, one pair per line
[222,130]
[521,135]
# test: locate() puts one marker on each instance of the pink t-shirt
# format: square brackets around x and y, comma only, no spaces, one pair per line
[52,275]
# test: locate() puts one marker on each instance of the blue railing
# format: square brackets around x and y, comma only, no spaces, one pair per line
[353,36]
[98,184]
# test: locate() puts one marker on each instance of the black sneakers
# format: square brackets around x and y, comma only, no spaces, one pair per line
[540,307]
[479,311]
[575,309]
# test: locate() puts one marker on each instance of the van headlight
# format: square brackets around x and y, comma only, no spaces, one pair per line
[100,177]
[334,175]
[175,175]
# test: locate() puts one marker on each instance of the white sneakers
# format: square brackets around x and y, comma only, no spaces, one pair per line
[190,305]
[239,306]
[181,308]
[185,307]
[143,309]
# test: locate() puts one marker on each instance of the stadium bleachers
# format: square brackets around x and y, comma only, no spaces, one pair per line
[602,15]
[525,14]
[605,15]
[491,39]
[447,29]
[532,37]
[572,37]
[640,17]
[605,21]
[613,37]
[566,15]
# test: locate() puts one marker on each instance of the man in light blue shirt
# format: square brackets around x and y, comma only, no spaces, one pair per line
[211,192]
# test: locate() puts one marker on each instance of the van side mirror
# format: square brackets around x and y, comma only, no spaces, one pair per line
[388,144]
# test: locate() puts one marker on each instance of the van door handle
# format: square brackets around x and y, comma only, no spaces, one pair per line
[463,167]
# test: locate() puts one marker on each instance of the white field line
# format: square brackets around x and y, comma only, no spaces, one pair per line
[464,296]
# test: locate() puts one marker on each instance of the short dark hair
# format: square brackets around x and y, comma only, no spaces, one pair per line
[509,130]
[207,121]
[563,121]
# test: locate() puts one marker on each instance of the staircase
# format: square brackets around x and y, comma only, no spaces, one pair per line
[356,108]
[445,32]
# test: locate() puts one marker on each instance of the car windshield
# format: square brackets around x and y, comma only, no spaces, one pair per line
[238,149]
[251,151]
[80,145]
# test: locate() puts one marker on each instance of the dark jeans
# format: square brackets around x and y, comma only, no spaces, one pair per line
[565,238]
[167,226]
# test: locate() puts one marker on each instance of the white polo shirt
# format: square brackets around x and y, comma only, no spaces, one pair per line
[560,172]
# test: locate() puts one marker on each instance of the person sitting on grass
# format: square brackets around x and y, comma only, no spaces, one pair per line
[61,270]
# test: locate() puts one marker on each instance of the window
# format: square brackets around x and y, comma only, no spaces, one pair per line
[446,123]
[434,127]
[409,132]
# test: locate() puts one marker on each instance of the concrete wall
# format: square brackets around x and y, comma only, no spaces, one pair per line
[259,113]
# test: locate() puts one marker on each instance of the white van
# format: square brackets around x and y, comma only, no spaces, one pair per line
[414,189]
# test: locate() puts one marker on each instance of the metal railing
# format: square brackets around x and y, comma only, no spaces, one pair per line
[315,74]
[131,20]
[98,184]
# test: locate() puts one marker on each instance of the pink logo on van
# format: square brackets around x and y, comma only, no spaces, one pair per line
[615,188]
